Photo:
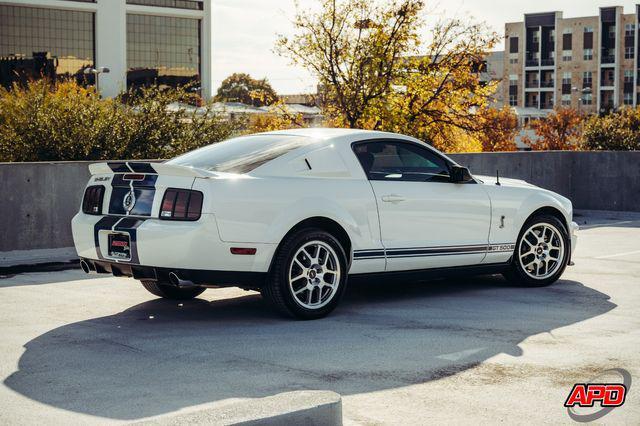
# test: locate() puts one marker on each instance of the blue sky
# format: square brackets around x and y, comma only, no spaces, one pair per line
[244,31]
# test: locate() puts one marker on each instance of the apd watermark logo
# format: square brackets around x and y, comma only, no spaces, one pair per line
[599,396]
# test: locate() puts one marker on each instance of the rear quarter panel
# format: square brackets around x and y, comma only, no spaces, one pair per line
[264,209]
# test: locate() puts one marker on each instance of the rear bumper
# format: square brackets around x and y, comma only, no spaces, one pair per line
[207,278]
[171,245]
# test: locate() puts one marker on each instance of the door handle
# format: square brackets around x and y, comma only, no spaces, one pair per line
[392,198]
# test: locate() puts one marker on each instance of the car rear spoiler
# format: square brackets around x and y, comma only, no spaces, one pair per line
[148,168]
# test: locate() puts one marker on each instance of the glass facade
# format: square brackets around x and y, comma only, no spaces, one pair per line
[37,42]
[162,50]
[178,4]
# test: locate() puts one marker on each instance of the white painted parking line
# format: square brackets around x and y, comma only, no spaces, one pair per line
[618,254]
[456,356]
[600,225]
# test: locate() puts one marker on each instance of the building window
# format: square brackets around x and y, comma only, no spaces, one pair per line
[37,42]
[513,100]
[162,50]
[566,100]
[177,4]
[628,76]
[588,29]
[566,78]
[629,30]
[628,52]
[513,44]
[587,99]
[588,54]
[612,31]
[628,98]
[513,60]
[587,79]
[566,55]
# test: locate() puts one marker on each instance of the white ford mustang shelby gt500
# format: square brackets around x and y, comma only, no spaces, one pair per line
[294,213]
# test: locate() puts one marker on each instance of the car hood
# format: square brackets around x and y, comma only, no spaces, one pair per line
[518,183]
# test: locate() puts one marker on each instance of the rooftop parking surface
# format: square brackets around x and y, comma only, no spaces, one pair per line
[87,348]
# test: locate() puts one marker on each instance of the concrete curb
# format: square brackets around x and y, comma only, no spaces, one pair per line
[317,408]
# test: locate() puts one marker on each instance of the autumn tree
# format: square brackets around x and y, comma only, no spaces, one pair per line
[617,131]
[560,130]
[378,75]
[440,90]
[240,87]
[355,48]
[499,129]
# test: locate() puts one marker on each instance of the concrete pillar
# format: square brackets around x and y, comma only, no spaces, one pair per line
[206,60]
[111,46]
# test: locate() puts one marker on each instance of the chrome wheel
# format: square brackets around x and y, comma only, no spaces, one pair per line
[541,251]
[314,275]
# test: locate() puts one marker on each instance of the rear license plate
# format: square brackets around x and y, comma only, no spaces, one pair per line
[119,246]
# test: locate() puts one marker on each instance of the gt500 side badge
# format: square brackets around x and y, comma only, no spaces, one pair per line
[501,247]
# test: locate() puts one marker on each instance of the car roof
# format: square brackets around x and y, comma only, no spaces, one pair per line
[325,133]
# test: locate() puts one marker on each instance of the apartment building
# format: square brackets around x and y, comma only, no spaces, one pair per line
[589,63]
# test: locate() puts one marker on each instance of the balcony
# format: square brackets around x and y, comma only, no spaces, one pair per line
[548,62]
[532,84]
[547,83]
[531,61]
[608,59]
[547,105]
[531,104]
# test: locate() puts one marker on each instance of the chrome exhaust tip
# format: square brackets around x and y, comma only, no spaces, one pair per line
[178,282]
[85,267]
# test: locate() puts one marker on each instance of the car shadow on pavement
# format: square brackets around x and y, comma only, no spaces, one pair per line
[160,356]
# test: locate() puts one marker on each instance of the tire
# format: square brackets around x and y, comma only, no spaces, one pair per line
[325,285]
[536,261]
[168,291]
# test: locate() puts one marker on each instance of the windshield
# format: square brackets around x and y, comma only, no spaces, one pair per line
[241,155]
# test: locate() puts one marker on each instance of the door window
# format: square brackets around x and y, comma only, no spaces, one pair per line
[404,161]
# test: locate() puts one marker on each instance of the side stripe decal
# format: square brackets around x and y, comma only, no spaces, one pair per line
[433,251]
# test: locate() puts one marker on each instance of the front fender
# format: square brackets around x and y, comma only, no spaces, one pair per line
[511,207]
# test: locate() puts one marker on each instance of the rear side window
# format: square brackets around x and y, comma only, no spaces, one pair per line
[241,155]
[404,161]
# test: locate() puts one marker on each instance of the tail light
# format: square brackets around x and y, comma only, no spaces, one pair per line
[92,201]
[181,204]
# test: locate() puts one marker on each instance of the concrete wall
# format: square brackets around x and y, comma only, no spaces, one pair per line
[591,180]
[38,200]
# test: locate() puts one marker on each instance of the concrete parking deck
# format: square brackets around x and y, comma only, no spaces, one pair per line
[79,349]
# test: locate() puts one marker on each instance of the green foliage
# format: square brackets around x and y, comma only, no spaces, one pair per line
[617,131]
[42,121]
[240,87]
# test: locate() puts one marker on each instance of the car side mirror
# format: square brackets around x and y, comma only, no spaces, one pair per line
[460,174]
